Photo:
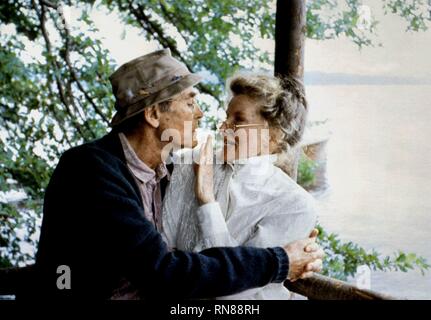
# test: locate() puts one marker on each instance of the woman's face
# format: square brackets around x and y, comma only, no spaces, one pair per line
[245,132]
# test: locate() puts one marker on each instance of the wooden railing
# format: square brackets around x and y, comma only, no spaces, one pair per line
[15,280]
[317,287]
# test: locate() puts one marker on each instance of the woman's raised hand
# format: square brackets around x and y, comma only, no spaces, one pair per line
[204,175]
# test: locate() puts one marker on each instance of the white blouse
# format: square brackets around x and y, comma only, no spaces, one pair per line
[257,204]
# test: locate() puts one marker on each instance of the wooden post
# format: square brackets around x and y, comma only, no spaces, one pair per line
[290,26]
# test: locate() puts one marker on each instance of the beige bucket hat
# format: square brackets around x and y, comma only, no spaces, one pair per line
[147,80]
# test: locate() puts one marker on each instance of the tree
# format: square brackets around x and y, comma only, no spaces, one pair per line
[59,96]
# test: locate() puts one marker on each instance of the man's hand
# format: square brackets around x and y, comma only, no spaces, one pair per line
[305,257]
[204,189]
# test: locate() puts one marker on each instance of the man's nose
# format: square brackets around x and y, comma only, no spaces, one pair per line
[198,112]
[223,126]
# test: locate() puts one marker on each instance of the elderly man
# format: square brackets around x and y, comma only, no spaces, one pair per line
[102,212]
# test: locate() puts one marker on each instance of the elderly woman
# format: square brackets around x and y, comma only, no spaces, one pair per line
[248,199]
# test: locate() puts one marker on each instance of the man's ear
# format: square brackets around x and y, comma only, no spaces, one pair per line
[152,116]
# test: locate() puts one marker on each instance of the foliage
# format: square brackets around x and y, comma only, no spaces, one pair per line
[306,170]
[343,258]
[54,77]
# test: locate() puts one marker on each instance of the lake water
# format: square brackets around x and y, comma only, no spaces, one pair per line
[379,171]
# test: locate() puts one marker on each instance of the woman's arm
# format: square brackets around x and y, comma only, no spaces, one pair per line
[274,229]
[214,230]
[294,220]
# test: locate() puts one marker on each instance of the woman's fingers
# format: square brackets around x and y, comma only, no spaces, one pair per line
[315,266]
[210,143]
[314,233]
[319,254]
[312,247]
[306,274]
[311,268]
[205,155]
[202,152]
[208,150]
[204,173]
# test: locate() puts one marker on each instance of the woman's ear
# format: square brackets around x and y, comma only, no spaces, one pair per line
[152,116]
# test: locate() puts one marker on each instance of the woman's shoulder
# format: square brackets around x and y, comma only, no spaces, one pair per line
[289,190]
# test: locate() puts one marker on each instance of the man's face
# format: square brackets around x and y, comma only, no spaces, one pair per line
[179,124]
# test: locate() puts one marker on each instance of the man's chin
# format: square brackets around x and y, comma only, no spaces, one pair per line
[189,146]
[194,142]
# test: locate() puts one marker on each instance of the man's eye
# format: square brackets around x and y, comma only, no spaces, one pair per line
[191,105]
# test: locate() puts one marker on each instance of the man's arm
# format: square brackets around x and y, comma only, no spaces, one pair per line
[144,257]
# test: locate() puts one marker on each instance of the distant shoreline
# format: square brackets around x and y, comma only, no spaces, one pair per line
[323,78]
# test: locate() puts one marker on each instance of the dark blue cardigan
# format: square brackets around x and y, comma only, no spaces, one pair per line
[93,222]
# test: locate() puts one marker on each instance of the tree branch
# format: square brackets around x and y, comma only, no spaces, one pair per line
[48,46]
[152,28]
[49,4]
[67,40]
[69,92]
[178,23]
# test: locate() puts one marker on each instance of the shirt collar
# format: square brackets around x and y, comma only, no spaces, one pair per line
[256,160]
[139,169]
[254,169]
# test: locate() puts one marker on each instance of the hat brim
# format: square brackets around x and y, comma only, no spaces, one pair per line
[170,91]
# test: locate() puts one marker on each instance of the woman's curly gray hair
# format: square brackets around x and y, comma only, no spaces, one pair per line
[282,101]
